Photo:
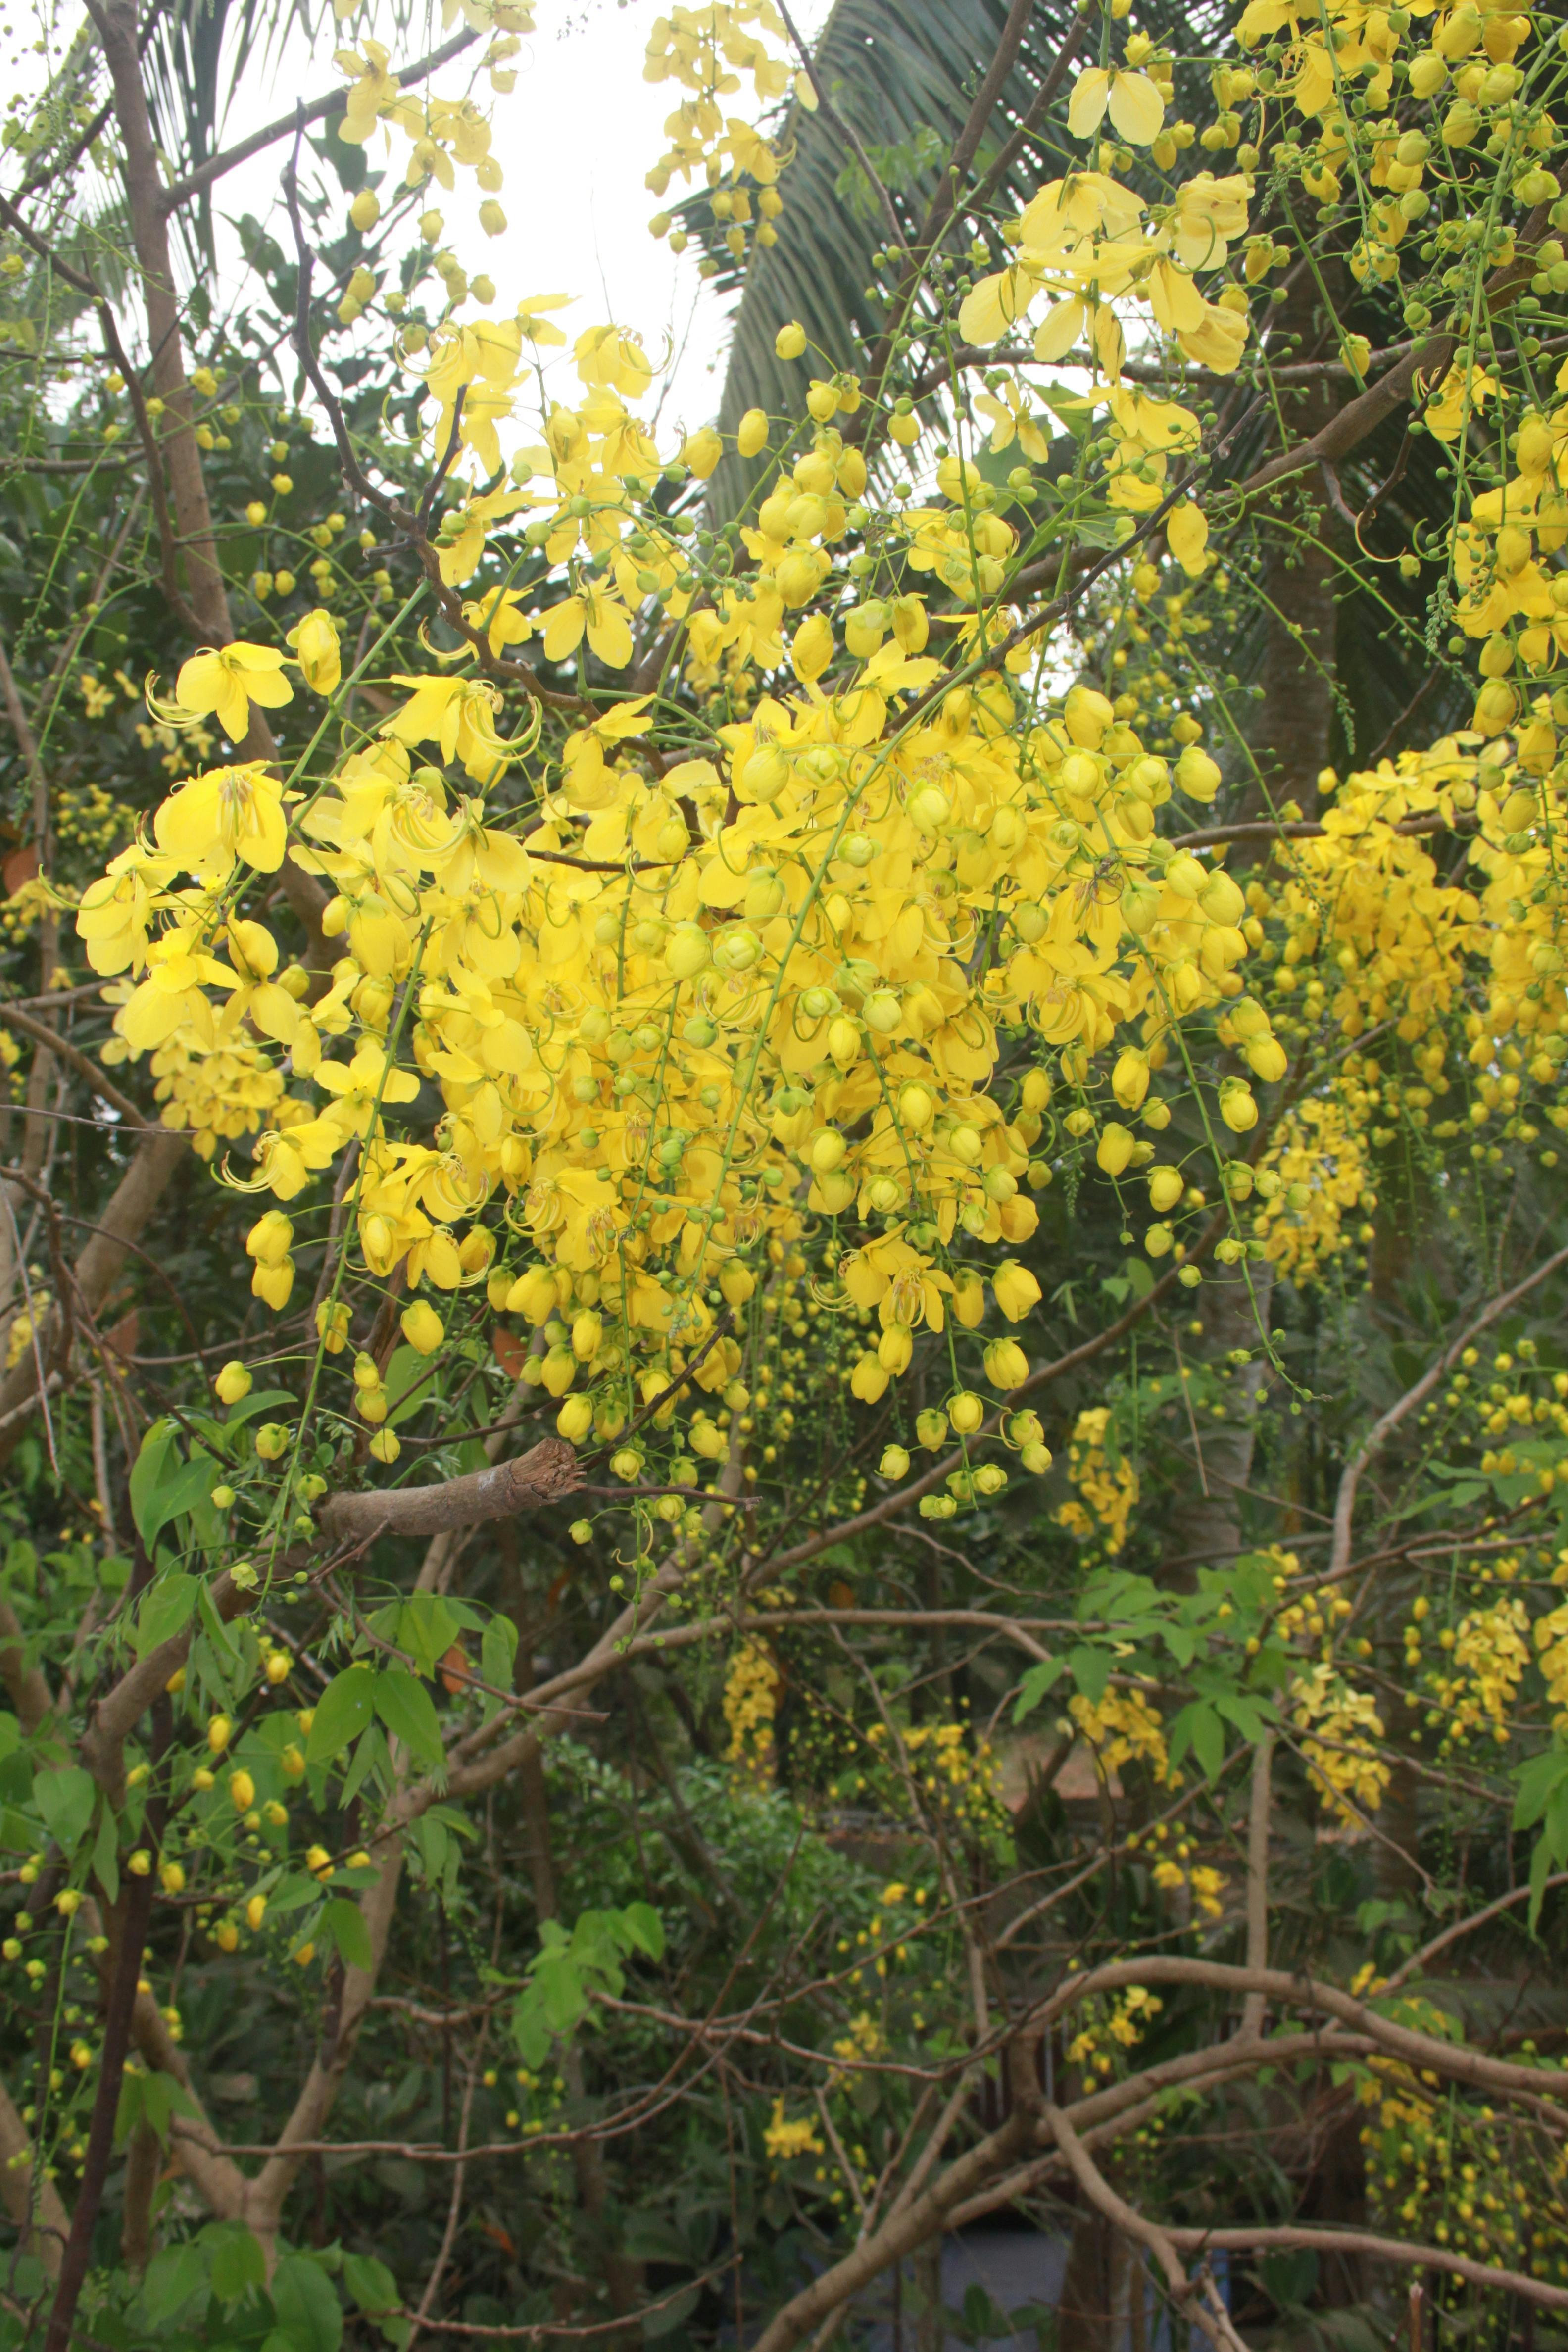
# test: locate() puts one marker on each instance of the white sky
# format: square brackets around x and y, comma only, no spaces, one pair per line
[575,138]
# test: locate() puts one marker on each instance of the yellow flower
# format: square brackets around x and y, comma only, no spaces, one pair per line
[226,682]
[222,814]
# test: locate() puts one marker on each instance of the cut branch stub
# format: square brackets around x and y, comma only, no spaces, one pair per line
[544,1474]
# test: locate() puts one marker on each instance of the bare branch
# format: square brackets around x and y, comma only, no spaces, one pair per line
[1185,2292]
[545,1474]
[1384,1428]
[312,110]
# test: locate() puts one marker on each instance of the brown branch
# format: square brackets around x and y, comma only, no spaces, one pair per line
[35,2206]
[847,131]
[1457,2060]
[1260,1816]
[545,1474]
[135,1912]
[899,2235]
[1367,2242]
[157,1158]
[1429,363]
[311,110]
[1384,1428]
[84,1065]
[1092,2183]
[1419,1961]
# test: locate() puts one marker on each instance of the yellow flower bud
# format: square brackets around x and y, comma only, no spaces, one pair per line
[233,1384]
[575,1419]
[1114,1148]
[241,1791]
[422,1327]
[790,341]
[752,433]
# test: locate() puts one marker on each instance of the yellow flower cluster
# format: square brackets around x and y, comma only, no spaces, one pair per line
[706,50]
[1111,2028]
[1105,1478]
[1342,1726]
[784,2138]
[1552,1646]
[1457,2175]
[1490,1652]
[751,1687]
[1121,1727]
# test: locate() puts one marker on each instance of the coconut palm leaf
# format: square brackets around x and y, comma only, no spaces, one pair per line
[904,76]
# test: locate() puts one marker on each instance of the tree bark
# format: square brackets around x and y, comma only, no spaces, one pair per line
[545,1474]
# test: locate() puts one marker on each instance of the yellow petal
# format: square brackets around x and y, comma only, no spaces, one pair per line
[1089,94]
[1186,535]
[993,305]
[563,630]
[1136,109]
[1060,332]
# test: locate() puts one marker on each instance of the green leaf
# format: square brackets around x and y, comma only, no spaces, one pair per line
[370,2284]
[498,1653]
[644,1929]
[1251,1717]
[410,1384]
[65,1800]
[1198,1727]
[166,1608]
[665,2318]
[291,1894]
[427,1629]
[146,1475]
[238,2261]
[1091,1672]
[171,2279]
[343,1711]
[1035,1685]
[341,1921]
[368,1756]
[1539,1781]
[307,2306]
[408,1711]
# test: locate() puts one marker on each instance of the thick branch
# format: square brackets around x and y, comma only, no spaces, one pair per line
[157,1157]
[1133,2224]
[38,2214]
[1429,361]
[549,1471]
[1258,1826]
[899,2235]
[1456,2059]
[1388,2250]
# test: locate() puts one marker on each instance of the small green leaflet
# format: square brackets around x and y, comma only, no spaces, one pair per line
[341,1924]
[166,1608]
[1198,1727]
[1036,1684]
[406,1708]
[65,1801]
[343,1711]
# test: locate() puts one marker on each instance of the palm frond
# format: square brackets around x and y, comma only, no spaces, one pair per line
[904,79]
